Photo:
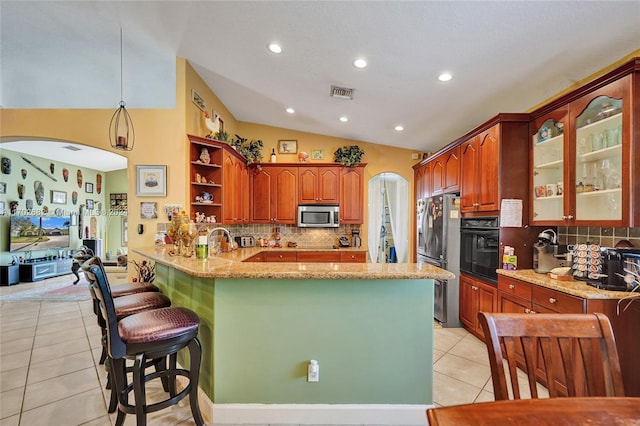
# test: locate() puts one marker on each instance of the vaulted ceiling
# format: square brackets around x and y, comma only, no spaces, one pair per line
[504,56]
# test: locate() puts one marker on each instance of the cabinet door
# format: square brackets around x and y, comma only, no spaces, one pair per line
[468,302]
[487,169]
[548,171]
[451,178]
[351,195]
[229,184]
[420,178]
[469,165]
[319,256]
[486,303]
[308,185]
[437,175]
[601,121]
[328,185]
[353,257]
[261,187]
[245,194]
[284,200]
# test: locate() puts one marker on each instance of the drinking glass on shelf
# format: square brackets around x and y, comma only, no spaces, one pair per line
[605,169]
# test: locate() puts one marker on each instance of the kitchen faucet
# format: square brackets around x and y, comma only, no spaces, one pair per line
[215,244]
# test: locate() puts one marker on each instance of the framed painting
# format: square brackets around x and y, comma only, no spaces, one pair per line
[151,181]
[58,197]
[287,146]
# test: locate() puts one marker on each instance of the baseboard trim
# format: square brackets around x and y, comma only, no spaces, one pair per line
[326,414]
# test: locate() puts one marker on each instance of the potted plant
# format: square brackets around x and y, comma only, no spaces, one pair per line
[251,149]
[222,136]
[349,155]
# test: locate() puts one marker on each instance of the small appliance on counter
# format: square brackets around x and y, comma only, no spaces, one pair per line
[547,253]
[615,269]
[355,238]
[245,241]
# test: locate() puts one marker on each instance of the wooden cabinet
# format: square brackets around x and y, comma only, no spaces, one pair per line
[310,256]
[489,165]
[235,191]
[352,195]
[206,177]
[353,257]
[584,142]
[37,271]
[475,296]
[318,185]
[274,192]
[422,178]
[319,256]
[445,172]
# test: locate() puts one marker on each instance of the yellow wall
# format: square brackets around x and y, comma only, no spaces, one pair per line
[160,139]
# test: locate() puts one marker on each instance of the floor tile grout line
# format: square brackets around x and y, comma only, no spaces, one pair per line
[26,379]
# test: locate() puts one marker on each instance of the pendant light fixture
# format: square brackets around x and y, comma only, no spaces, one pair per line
[121,132]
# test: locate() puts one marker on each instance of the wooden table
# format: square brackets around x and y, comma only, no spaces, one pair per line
[605,411]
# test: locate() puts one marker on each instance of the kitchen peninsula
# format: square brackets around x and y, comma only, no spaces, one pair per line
[369,326]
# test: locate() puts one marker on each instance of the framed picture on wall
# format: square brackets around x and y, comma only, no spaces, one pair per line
[58,197]
[89,204]
[88,188]
[151,181]
[287,146]
[3,188]
[125,231]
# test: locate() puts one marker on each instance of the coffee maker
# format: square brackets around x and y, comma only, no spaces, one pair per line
[547,253]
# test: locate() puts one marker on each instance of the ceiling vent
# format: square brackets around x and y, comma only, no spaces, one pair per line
[72,148]
[341,92]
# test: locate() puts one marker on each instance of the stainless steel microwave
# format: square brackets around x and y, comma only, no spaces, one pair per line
[318,216]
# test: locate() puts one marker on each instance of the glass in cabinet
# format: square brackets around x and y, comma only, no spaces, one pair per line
[548,171]
[598,160]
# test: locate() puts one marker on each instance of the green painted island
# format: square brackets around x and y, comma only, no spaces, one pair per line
[369,326]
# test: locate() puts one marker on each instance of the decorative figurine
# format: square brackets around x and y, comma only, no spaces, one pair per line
[204,156]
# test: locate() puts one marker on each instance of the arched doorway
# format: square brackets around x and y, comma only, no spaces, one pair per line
[388,233]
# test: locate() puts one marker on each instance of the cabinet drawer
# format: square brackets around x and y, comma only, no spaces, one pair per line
[256,258]
[318,256]
[351,257]
[556,301]
[514,287]
[281,257]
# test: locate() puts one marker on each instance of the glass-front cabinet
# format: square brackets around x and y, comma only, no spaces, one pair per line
[549,167]
[598,164]
[582,160]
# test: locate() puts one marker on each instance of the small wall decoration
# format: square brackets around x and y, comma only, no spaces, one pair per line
[287,146]
[148,210]
[80,220]
[125,231]
[317,154]
[79,179]
[52,167]
[98,183]
[89,204]
[151,181]
[74,219]
[3,187]
[38,189]
[6,165]
[65,174]
[196,99]
[88,188]
[2,208]
[23,173]
[74,197]
[58,197]
[20,191]
[118,201]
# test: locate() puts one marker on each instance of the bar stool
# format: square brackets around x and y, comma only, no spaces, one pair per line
[126,305]
[152,334]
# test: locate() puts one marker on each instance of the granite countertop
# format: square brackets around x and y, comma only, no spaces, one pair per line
[231,265]
[573,287]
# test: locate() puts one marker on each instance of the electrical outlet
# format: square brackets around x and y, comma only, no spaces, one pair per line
[313,371]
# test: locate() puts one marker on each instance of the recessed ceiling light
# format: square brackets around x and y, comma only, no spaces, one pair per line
[360,63]
[445,76]
[275,47]
[399,128]
[344,119]
[291,110]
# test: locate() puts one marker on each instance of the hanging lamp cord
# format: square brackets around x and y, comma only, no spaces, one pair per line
[121,73]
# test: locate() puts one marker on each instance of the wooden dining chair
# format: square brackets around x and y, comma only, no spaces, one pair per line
[573,350]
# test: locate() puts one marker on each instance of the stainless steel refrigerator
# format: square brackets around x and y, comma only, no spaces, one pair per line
[439,244]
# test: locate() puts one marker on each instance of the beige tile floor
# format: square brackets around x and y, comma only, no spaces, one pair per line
[49,372]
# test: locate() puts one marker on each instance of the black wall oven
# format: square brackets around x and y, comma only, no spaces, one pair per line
[480,247]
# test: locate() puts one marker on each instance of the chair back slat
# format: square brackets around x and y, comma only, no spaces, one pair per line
[94,271]
[574,350]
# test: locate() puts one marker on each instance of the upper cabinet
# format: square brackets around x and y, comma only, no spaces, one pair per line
[352,195]
[479,180]
[445,172]
[584,168]
[273,195]
[318,185]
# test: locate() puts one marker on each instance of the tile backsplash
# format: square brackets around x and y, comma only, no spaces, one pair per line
[603,236]
[304,237]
